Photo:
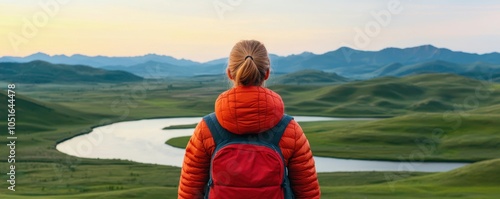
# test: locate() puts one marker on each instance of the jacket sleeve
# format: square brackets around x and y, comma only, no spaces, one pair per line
[195,168]
[302,170]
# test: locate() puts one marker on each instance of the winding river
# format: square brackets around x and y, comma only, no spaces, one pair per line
[144,141]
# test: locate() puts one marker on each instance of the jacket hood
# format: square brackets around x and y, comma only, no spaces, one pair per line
[249,109]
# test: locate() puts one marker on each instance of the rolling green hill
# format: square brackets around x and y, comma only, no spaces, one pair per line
[426,67]
[35,116]
[307,77]
[486,76]
[481,173]
[389,96]
[39,126]
[476,70]
[421,103]
[478,180]
[45,72]
[429,137]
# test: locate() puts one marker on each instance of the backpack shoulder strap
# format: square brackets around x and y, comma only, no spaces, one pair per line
[219,134]
[278,130]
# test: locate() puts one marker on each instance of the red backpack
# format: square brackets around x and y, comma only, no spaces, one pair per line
[247,166]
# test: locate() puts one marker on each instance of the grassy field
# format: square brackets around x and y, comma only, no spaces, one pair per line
[101,179]
[478,180]
[179,142]
[187,126]
[49,113]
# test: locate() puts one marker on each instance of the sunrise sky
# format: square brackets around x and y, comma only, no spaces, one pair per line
[203,30]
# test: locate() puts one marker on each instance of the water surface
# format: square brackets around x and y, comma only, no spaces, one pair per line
[144,141]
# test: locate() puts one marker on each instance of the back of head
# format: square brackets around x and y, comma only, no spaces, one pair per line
[248,63]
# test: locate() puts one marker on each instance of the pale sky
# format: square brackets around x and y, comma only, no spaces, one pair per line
[203,30]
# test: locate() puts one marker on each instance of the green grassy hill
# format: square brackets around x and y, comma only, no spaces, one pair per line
[39,125]
[44,172]
[487,76]
[495,109]
[426,67]
[307,77]
[473,70]
[389,96]
[478,180]
[431,136]
[469,133]
[485,173]
[45,72]
[33,115]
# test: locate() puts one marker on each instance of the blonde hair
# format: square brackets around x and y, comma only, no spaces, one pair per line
[248,63]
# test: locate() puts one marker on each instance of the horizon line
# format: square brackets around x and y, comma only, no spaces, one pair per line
[188,59]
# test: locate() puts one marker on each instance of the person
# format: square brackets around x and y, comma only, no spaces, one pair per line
[249,107]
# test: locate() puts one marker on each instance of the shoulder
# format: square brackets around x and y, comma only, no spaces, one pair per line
[290,137]
[271,93]
[202,131]
[225,94]
[293,129]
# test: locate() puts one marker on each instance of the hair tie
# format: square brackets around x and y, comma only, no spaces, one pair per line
[248,57]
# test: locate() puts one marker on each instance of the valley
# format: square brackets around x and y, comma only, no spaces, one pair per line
[426,117]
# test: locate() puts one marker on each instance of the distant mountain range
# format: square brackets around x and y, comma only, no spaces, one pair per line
[343,61]
[154,69]
[98,61]
[45,72]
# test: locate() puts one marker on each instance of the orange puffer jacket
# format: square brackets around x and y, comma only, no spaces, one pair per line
[243,110]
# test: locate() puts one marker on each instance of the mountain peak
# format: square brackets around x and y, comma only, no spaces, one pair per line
[306,53]
[427,47]
[303,54]
[344,48]
[39,55]
[154,55]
